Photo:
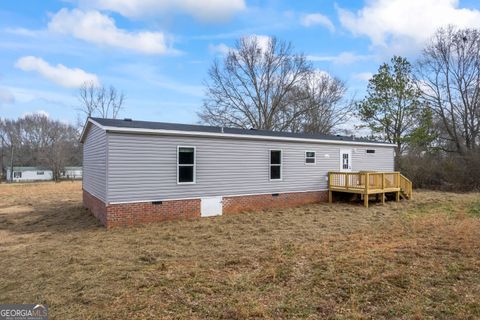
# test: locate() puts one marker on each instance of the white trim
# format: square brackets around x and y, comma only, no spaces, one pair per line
[188,165]
[231,135]
[276,165]
[107,159]
[314,158]
[225,196]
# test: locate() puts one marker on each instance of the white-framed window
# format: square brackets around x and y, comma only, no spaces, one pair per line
[276,164]
[186,165]
[310,157]
[17,174]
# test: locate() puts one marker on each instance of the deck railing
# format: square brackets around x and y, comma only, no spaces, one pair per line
[406,186]
[367,181]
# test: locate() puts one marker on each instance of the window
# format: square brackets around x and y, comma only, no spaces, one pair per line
[275,164]
[17,174]
[310,157]
[40,173]
[185,165]
[345,162]
[370,151]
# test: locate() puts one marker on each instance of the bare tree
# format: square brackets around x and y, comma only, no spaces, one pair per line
[100,101]
[324,106]
[254,86]
[449,73]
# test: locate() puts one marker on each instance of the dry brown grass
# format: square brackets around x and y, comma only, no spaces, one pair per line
[418,259]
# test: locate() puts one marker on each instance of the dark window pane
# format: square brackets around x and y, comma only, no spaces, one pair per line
[370,151]
[310,154]
[275,157]
[186,155]
[275,172]
[310,160]
[185,174]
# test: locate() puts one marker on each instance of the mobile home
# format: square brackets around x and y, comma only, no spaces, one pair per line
[71,173]
[139,171]
[24,174]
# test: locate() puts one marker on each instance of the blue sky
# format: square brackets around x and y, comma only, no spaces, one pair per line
[158,51]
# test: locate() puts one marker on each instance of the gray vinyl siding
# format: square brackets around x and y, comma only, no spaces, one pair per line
[144,167]
[95,163]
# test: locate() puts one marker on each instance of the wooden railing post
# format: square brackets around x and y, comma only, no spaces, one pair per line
[330,196]
[347,178]
[365,196]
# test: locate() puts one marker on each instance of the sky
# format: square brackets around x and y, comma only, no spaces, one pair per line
[158,52]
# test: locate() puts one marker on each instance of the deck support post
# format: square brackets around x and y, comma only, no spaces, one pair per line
[397,196]
[383,198]
[330,196]
[365,200]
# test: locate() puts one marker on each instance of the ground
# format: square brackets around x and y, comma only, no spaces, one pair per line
[417,259]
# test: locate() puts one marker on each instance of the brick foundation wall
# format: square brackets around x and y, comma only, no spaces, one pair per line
[127,214]
[239,204]
[146,212]
[96,206]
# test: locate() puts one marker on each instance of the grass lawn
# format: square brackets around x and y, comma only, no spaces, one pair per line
[417,259]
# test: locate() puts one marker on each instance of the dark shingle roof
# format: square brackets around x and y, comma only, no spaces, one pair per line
[127,123]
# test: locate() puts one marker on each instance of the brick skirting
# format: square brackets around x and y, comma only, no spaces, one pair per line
[125,214]
[96,206]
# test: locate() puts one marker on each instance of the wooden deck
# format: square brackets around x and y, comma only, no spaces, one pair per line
[368,183]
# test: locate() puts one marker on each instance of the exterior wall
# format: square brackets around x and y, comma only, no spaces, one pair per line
[144,167]
[128,214]
[381,160]
[95,163]
[31,175]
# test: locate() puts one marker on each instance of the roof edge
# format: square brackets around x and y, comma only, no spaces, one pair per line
[90,121]
[239,136]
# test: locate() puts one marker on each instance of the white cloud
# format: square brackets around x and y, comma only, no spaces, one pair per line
[6,97]
[59,74]
[317,19]
[205,10]
[220,48]
[95,27]
[406,22]
[342,58]
[362,76]
[262,41]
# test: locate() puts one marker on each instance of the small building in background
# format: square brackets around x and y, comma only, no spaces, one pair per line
[71,173]
[21,174]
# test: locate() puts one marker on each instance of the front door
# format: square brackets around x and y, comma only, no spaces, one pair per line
[345,160]
[211,206]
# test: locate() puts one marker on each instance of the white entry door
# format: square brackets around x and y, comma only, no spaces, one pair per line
[345,160]
[211,206]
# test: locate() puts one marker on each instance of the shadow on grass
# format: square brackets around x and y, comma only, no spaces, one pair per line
[71,217]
